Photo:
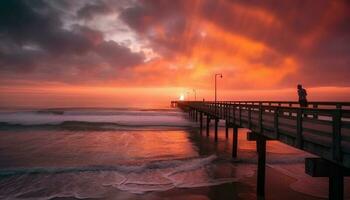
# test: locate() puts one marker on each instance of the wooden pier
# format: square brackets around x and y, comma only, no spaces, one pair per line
[323,129]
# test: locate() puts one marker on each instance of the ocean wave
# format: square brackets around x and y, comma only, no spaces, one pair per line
[94,181]
[118,111]
[95,119]
[96,126]
[180,165]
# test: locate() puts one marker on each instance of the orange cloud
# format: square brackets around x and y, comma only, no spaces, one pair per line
[160,50]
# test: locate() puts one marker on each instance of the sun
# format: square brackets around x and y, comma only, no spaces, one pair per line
[182,97]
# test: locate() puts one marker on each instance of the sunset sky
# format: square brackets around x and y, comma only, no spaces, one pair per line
[114,53]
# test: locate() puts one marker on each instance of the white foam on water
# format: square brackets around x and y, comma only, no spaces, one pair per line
[94,183]
[122,118]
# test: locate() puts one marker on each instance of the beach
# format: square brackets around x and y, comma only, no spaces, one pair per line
[139,154]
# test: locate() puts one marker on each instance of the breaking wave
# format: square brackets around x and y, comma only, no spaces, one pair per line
[99,119]
[137,179]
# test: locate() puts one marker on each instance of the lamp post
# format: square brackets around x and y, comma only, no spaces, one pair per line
[220,75]
[195,94]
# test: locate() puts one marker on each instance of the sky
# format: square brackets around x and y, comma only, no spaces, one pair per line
[117,53]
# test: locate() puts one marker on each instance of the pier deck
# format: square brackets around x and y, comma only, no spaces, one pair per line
[323,129]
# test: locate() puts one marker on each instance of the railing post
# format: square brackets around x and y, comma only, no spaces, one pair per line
[234,114]
[226,127]
[336,136]
[276,115]
[240,115]
[249,117]
[201,122]
[260,118]
[299,138]
[315,106]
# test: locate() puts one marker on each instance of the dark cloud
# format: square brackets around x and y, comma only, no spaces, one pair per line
[38,23]
[149,18]
[116,54]
[89,11]
[39,38]
[34,44]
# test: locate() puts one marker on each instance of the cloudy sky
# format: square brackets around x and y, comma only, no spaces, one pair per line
[144,53]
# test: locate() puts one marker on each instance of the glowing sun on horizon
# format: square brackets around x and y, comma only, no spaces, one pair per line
[182,97]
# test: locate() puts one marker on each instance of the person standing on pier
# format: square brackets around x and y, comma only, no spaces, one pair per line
[302,96]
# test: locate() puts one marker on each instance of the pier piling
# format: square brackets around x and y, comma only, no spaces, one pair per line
[261,145]
[226,129]
[201,122]
[216,129]
[234,142]
[336,183]
[208,124]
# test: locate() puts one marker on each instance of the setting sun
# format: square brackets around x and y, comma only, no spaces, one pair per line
[182,97]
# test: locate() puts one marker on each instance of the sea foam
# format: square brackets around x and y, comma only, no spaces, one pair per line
[80,182]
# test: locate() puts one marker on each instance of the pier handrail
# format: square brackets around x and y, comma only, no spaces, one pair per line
[313,104]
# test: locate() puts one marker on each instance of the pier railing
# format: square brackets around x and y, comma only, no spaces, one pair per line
[323,128]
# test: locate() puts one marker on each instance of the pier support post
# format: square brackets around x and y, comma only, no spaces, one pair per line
[319,167]
[336,183]
[201,122]
[208,124]
[196,116]
[234,142]
[226,129]
[261,145]
[216,129]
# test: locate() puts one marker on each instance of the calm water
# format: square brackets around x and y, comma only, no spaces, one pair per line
[128,154]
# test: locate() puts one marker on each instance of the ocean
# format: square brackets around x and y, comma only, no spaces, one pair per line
[129,153]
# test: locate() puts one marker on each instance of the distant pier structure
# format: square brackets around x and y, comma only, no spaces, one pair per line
[322,128]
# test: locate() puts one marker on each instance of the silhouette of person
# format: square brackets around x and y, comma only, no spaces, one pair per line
[302,96]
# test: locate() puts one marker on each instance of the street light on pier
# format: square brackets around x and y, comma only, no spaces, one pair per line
[220,75]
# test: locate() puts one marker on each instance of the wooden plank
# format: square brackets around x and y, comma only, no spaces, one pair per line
[253,136]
